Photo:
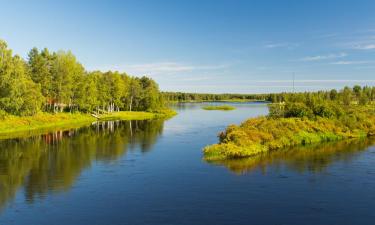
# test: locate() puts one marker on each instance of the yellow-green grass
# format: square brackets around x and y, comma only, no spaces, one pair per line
[318,156]
[219,107]
[15,126]
[132,115]
[264,134]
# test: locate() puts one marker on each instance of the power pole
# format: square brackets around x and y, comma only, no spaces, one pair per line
[293,82]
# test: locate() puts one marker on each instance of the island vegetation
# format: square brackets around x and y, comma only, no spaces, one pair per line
[53,89]
[300,119]
[219,107]
[313,158]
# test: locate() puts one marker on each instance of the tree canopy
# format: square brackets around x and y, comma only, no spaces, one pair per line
[56,81]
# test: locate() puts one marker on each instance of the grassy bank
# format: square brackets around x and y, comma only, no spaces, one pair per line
[263,134]
[219,107]
[127,115]
[14,126]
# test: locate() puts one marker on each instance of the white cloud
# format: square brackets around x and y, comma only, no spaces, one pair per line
[311,81]
[365,47]
[196,78]
[351,62]
[162,68]
[281,45]
[324,57]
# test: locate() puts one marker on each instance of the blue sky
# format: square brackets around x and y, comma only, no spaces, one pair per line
[207,46]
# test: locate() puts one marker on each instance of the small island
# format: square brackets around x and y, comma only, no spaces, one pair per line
[219,107]
[300,119]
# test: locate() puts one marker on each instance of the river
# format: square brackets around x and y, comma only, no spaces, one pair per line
[152,172]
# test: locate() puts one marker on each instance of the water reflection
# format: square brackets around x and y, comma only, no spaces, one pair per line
[313,158]
[52,162]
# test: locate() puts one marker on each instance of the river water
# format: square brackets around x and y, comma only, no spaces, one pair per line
[152,172]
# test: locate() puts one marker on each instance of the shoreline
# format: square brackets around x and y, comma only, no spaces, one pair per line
[15,126]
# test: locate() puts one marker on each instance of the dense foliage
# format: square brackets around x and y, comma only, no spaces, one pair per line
[361,95]
[56,81]
[303,119]
[347,96]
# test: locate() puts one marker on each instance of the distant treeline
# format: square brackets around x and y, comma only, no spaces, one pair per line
[346,96]
[56,81]
[196,97]
[357,94]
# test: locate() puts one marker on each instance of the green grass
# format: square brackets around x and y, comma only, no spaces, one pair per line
[127,115]
[15,126]
[219,107]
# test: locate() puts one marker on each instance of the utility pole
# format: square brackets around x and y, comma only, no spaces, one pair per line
[293,82]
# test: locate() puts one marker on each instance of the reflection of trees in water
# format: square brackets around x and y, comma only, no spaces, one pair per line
[314,158]
[52,162]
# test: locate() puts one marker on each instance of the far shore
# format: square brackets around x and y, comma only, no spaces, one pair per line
[223,101]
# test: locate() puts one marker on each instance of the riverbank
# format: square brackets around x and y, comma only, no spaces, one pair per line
[15,126]
[264,134]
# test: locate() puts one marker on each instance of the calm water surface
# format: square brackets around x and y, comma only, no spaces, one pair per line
[152,172]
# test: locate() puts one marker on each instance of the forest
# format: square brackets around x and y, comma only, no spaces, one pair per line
[357,94]
[57,82]
[201,97]
[300,119]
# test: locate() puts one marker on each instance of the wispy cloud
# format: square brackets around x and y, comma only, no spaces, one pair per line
[196,78]
[311,81]
[324,57]
[365,46]
[163,68]
[360,42]
[326,36]
[281,45]
[351,62]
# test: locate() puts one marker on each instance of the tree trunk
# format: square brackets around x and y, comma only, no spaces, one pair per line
[131,102]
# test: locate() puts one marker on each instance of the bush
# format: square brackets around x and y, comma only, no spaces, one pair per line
[324,110]
[276,110]
[297,110]
[3,114]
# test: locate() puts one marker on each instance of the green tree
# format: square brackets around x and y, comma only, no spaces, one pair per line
[19,95]
[40,65]
[66,75]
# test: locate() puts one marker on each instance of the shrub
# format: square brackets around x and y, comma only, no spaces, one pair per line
[3,114]
[297,110]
